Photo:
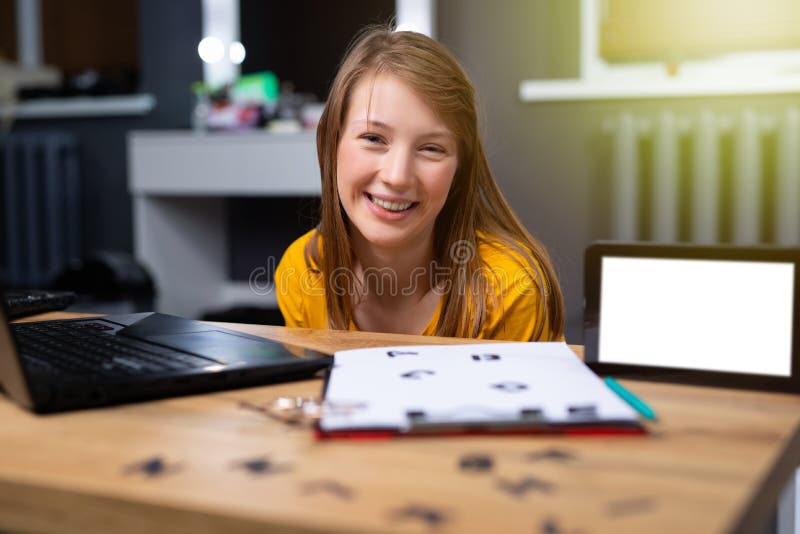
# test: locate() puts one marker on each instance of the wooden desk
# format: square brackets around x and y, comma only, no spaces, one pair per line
[716,462]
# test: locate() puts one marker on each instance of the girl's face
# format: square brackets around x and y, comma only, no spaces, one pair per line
[395,163]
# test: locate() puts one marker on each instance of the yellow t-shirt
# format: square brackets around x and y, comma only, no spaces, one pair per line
[514,316]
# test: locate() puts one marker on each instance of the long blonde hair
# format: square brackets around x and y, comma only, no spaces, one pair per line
[474,211]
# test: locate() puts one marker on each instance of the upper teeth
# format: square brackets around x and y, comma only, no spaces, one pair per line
[391,206]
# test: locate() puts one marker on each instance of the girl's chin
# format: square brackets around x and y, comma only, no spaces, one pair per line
[387,242]
[380,238]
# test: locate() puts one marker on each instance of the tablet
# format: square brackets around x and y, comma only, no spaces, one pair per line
[711,315]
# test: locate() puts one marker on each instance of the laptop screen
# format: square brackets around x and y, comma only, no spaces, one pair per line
[701,314]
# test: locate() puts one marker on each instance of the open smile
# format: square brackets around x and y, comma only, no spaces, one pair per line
[391,206]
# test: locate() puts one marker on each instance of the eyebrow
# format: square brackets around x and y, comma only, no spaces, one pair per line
[384,126]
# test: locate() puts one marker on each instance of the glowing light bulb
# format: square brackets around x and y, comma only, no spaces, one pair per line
[236,52]
[211,49]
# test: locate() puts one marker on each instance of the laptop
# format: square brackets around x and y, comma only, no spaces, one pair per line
[713,315]
[73,364]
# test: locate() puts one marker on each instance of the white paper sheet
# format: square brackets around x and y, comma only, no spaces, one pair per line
[488,382]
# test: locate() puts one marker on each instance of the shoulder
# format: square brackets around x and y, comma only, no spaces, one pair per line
[508,264]
[297,266]
[515,303]
[298,285]
[296,255]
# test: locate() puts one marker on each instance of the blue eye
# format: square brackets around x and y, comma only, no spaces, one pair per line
[371,138]
[434,148]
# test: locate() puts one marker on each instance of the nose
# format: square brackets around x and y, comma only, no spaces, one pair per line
[398,168]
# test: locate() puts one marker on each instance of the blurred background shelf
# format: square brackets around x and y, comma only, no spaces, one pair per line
[86,106]
[181,162]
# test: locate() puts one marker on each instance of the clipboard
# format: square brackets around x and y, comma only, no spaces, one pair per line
[486,388]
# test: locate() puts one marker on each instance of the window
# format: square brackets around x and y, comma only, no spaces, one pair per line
[683,30]
[656,40]
[674,48]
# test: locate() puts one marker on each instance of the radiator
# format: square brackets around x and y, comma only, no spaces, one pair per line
[706,177]
[39,195]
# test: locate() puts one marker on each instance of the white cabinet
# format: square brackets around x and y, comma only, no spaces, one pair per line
[180,180]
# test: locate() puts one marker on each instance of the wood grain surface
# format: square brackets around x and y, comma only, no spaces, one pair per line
[714,462]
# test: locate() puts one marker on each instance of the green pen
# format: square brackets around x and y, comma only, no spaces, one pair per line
[635,402]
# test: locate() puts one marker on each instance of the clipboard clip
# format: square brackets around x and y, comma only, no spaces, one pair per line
[419,421]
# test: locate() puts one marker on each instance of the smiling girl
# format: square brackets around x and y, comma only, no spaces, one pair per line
[415,236]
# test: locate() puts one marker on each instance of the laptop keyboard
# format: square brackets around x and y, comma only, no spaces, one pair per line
[91,349]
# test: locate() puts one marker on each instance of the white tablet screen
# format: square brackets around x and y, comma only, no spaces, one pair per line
[711,315]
